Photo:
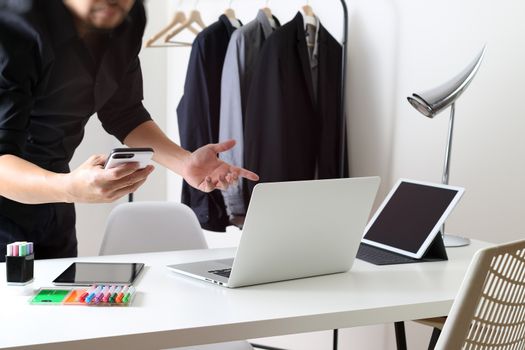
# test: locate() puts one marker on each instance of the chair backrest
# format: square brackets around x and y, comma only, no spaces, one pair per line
[489,310]
[141,227]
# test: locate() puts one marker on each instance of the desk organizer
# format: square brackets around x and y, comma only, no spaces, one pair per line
[19,269]
[96,295]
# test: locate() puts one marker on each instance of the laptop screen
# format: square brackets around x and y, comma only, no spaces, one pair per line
[410,215]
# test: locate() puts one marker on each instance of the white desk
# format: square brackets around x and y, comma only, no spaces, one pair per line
[172,310]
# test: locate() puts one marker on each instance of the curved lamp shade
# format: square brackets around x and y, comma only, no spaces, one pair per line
[431,102]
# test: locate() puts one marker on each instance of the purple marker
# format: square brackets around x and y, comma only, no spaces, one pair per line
[99,296]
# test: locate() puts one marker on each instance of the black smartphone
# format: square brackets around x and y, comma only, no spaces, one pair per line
[126,155]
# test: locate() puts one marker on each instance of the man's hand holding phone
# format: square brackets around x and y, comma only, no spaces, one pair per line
[104,179]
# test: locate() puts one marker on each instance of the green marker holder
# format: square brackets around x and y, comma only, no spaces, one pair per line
[19,269]
[49,296]
[57,296]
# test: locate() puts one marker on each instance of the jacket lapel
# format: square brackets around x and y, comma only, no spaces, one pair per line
[323,62]
[302,51]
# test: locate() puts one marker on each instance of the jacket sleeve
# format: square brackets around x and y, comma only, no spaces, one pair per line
[194,118]
[264,136]
[231,118]
[124,111]
[193,110]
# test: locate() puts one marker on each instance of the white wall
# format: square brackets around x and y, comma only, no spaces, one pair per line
[401,47]
[397,47]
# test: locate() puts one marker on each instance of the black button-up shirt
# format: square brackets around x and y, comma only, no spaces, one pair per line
[50,85]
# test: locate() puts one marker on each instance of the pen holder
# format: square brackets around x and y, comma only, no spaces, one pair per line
[19,269]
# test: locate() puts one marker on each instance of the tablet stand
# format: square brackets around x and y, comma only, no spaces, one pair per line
[378,256]
[436,251]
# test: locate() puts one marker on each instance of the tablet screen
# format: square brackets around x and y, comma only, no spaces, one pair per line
[410,214]
[83,273]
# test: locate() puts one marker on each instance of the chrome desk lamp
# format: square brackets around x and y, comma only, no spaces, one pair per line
[430,103]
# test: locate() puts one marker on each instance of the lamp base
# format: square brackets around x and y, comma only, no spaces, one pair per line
[455,241]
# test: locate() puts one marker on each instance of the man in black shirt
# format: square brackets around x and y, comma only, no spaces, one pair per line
[60,62]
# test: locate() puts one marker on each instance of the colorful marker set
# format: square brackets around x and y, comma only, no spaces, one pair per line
[105,294]
[20,249]
[96,295]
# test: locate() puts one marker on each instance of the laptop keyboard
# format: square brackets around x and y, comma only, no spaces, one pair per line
[222,272]
[380,256]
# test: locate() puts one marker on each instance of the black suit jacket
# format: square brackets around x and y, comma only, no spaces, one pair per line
[199,111]
[287,135]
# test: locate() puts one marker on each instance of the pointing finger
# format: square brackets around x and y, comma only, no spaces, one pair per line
[248,174]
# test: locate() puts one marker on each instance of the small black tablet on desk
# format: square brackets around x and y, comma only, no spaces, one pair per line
[89,273]
[406,227]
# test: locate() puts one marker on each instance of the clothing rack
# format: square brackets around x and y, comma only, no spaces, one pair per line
[343,90]
[342,135]
[342,128]
[399,326]
[335,338]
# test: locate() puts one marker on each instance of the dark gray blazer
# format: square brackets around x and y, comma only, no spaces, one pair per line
[239,64]
[287,136]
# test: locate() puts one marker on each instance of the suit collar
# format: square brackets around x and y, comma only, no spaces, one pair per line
[322,32]
[228,24]
[265,23]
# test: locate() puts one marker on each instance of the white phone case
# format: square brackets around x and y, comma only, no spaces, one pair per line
[127,155]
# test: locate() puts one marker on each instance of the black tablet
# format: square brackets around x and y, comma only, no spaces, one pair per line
[88,273]
[411,216]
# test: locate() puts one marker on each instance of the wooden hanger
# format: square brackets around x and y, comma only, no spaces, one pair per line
[308,15]
[309,18]
[230,13]
[194,17]
[307,9]
[178,18]
[269,14]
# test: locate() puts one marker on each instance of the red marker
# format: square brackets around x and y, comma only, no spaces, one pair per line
[83,297]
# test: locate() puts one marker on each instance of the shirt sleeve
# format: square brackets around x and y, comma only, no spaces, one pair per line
[18,78]
[124,111]
[231,120]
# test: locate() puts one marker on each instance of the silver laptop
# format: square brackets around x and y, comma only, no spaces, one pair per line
[294,230]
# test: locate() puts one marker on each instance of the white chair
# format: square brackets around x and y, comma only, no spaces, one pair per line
[489,310]
[140,227]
